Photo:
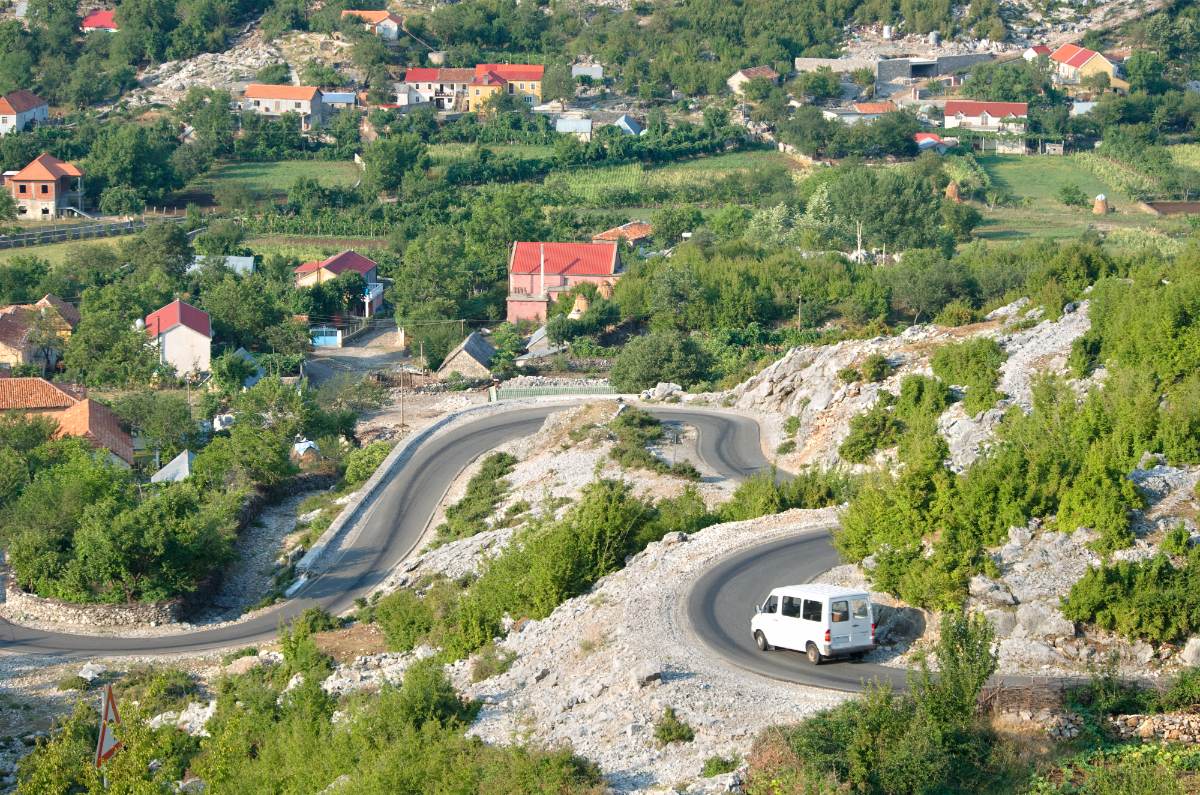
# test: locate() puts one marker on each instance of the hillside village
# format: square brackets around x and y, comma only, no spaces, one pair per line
[485,396]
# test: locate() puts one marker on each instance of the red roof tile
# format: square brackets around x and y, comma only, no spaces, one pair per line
[33,394]
[634,230]
[1041,49]
[511,71]
[1073,55]
[875,107]
[20,101]
[760,71]
[104,19]
[999,110]
[178,313]
[271,91]
[46,168]
[340,263]
[97,424]
[578,259]
[372,17]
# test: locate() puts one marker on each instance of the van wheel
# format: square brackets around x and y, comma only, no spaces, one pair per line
[760,640]
[814,654]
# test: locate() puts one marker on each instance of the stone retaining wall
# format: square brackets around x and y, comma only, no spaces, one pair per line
[1170,727]
[22,606]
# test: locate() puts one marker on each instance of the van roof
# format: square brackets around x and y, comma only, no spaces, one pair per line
[818,591]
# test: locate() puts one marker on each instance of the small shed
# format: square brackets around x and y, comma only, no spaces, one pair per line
[177,469]
[305,450]
[471,359]
[580,128]
[628,125]
[593,71]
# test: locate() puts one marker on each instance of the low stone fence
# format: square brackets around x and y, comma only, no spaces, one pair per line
[22,606]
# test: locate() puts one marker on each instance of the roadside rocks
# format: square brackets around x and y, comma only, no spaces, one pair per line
[1168,727]
[372,671]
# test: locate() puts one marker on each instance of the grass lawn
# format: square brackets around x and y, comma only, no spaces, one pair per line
[734,161]
[269,181]
[1035,181]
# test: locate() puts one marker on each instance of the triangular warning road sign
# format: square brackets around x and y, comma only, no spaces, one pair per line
[107,744]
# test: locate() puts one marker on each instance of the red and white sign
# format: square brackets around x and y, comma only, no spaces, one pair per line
[108,744]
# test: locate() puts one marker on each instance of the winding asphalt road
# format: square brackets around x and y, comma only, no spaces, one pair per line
[393,525]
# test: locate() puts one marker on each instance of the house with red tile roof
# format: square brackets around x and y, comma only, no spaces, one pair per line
[76,414]
[539,272]
[96,423]
[104,19]
[1036,51]
[738,80]
[1074,64]
[310,274]
[273,101]
[46,188]
[633,232]
[183,335]
[968,114]
[383,24]
[17,325]
[469,89]
[20,110]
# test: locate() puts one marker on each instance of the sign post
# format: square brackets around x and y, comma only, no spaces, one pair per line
[107,744]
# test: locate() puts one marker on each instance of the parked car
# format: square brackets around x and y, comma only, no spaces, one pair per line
[823,621]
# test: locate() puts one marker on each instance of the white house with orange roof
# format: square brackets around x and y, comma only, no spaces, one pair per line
[46,188]
[383,24]
[468,89]
[183,335]
[276,100]
[20,110]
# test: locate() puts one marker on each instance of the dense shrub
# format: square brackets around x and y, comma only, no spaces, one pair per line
[928,740]
[485,490]
[974,364]
[766,493]
[669,728]
[362,463]
[1151,599]
[404,618]
[634,430]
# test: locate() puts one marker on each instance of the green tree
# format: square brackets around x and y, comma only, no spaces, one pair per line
[387,160]
[664,355]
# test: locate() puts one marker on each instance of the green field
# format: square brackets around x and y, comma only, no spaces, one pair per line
[269,181]
[58,252]
[309,248]
[1035,181]
[445,154]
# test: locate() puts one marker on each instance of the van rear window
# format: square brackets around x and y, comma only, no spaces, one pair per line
[840,611]
[858,609]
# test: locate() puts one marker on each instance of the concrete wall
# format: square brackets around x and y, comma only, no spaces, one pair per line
[901,68]
[839,65]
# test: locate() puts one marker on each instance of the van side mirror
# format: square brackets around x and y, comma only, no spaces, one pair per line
[758,608]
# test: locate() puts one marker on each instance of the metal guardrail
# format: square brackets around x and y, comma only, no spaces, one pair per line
[515,393]
[68,232]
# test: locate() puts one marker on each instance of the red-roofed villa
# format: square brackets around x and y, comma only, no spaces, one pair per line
[986,116]
[183,334]
[539,272]
[46,188]
[469,89]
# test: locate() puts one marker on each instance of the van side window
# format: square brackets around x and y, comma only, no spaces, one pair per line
[812,610]
[790,607]
[858,609]
[840,610]
[771,605]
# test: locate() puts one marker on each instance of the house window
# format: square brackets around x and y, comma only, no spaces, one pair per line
[45,188]
[3,120]
[21,188]
[528,99]
[477,92]
[296,104]
[511,88]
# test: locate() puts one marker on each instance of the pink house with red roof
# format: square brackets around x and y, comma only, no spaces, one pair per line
[310,274]
[539,272]
[102,19]
[183,335]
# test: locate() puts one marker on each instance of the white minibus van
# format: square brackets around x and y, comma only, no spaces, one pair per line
[820,620]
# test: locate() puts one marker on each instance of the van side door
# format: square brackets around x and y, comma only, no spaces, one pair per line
[814,627]
[768,619]
[791,629]
[840,626]
[860,621]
